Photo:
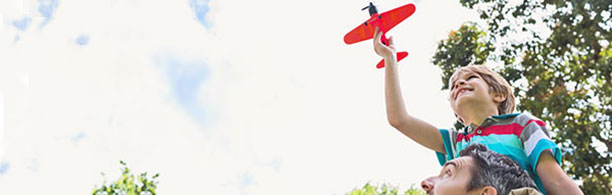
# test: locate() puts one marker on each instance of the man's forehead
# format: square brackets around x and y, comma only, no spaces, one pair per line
[464,161]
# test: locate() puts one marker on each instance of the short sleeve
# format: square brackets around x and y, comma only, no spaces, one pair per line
[449,138]
[535,139]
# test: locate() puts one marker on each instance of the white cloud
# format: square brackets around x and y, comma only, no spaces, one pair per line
[291,105]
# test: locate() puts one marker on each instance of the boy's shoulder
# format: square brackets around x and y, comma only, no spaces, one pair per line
[528,123]
[522,118]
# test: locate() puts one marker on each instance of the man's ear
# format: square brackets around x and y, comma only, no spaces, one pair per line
[488,190]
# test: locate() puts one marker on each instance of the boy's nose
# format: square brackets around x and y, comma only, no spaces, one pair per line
[459,83]
[428,184]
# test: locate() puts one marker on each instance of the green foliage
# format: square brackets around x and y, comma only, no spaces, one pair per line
[384,189]
[413,190]
[463,47]
[562,74]
[128,184]
[466,46]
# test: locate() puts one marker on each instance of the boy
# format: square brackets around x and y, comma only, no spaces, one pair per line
[482,100]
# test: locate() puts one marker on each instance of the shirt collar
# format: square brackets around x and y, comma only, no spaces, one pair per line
[489,121]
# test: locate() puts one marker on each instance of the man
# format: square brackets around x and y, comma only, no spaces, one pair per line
[480,171]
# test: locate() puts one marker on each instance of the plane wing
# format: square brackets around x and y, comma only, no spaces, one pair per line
[386,21]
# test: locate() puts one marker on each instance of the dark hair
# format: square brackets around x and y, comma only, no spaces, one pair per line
[494,169]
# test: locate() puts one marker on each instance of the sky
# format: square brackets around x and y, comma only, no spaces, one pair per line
[219,97]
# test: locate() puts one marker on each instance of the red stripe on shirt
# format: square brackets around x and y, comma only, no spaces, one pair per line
[539,122]
[460,137]
[513,128]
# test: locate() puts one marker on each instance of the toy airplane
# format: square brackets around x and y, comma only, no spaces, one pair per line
[384,22]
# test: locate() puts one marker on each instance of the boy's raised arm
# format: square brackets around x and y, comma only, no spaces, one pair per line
[416,129]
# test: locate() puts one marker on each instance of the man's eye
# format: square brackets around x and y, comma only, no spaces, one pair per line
[473,76]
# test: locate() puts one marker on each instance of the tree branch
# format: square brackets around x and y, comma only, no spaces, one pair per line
[602,181]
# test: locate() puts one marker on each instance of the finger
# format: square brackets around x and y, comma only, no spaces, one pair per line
[391,41]
[376,32]
[376,35]
[376,41]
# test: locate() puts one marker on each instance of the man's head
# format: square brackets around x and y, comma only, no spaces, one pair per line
[478,171]
[473,86]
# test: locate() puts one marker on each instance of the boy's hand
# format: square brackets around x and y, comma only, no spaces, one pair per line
[381,49]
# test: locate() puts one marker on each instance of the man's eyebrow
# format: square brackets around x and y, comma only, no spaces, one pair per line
[450,163]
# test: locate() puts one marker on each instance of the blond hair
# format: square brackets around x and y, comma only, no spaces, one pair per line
[497,85]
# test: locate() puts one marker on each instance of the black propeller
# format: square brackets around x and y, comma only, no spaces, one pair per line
[371,9]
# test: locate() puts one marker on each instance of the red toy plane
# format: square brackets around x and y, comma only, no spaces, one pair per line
[384,22]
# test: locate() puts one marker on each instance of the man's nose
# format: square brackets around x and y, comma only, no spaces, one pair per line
[428,184]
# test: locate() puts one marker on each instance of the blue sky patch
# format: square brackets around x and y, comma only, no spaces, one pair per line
[4,166]
[22,24]
[245,180]
[201,8]
[274,164]
[185,79]
[46,9]
[82,40]
[78,137]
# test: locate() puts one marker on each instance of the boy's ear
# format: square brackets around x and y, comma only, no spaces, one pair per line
[499,97]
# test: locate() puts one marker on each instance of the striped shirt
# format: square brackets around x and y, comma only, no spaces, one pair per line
[520,136]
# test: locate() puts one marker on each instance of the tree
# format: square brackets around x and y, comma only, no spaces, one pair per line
[384,189]
[128,184]
[466,46]
[558,56]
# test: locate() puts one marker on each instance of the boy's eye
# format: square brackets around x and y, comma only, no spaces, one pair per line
[472,76]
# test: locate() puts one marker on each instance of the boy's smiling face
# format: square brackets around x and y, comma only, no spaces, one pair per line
[469,90]
[466,83]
